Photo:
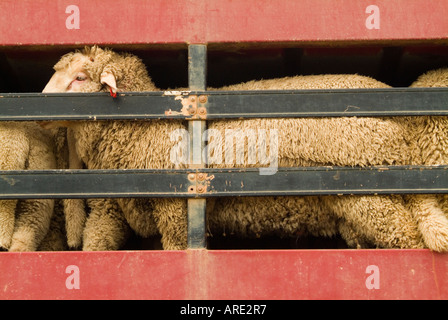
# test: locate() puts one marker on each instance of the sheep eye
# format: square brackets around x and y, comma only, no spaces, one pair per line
[80,78]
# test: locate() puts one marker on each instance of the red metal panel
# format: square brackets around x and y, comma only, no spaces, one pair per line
[48,22]
[202,274]
[244,274]
[324,20]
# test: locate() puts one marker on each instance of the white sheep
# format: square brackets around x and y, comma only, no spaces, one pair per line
[333,142]
[428,138]
[118,145]
[25,223]
[346,141]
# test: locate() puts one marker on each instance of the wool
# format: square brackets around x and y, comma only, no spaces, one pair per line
[25,223]
[342,141]
[105,228]
[69,214]
[122,145]
[381,221]
[399,140]
[56,237]
[428,138]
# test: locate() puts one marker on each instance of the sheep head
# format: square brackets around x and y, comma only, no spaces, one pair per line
[95,70]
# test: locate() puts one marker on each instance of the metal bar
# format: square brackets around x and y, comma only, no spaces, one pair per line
[92,183]
[331,181]
[197,67]
[298,181]
[226,104]
[197,73]
[89,106]
[328,103]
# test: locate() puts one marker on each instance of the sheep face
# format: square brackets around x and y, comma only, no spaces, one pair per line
[95,70]
[72,77]
[82,72]
[75,78]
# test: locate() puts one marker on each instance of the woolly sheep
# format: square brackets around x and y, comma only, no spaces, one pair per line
[74,209]
[120,144]
[428,137]
[383,221]
[25,223]
[416,140]
[379,220]
[55,239]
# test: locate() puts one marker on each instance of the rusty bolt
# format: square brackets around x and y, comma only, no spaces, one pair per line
[192,110]
[200,189]
[192,99]
[202,99]
[202,111]
[191,176]
[201,176]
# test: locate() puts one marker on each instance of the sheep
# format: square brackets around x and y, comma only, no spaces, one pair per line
[119,145]
[74,209]
[25,223]
[428,136]
[381,220]
[416,140]
[55,239]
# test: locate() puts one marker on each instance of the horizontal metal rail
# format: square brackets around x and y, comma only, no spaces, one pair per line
[224,104]
[201,183]
[329,103]
[222,182]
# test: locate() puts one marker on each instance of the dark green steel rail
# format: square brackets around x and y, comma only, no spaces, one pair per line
[222,182]
[225,104]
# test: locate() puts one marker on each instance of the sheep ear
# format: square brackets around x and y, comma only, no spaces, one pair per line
[108,78]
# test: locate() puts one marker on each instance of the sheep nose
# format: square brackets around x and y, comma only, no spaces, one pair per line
[47,89]
[50,87]
[55,84]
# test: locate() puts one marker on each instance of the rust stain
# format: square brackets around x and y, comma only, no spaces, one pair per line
[189,104]
[202,182]
[190,107]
